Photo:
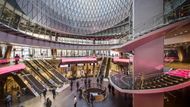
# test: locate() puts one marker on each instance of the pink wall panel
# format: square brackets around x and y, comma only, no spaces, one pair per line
[80,59]
[148,100]
[148,58]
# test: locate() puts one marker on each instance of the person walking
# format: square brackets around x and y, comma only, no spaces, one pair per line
[89,82]
[71,85]
[8,100]
[109,87]
[77,84]
[88,97]
[113,91]
[44,92]
[85,82]
[18,95]
[91,99]
[97,80]
[75,101]
[54,93]
[17,58]
[101,79]
[48,102]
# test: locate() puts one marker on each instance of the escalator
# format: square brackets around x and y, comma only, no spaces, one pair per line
[50,74]
[108,67]
[51,63]
[53,70]
[34,85]
[102,68]
[36,71]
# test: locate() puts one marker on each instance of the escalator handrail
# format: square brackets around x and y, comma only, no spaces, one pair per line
[53,69]
[47,72]
[39,74]
[33,84]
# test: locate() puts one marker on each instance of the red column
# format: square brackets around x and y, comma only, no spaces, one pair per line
[148,100]
[148,58]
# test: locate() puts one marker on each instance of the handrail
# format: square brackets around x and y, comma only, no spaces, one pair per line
[141,81]
[22,23]
[39,74]
[50,74]
[33,84]
[51,67]
[157,21]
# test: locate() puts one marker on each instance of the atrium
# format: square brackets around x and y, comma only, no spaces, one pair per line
[94,53]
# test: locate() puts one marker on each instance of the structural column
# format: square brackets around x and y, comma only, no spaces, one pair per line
[181,53]
[74,70]
[148,59]
[8,52]
[54,53]
[1,52]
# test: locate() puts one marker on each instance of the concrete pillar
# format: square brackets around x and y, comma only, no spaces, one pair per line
[148,59]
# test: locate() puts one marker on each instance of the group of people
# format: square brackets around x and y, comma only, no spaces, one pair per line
[8,99]
[90,98]
[87,82]
[48,102]
[77,85]
[99,80]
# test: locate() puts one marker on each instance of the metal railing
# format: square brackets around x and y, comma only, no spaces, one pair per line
[18,21]
[158,21]
[145,81]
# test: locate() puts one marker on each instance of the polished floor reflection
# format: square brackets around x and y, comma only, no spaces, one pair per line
[66,99]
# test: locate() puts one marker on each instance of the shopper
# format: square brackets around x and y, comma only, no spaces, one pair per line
[89,82]
[77,84]
[88,97]
[54,93]
[97,80]
[109,87]
[91,99]
[44,92]
[71,85]
[85,82]
[75,101]
[17,58]
[8,100]
[48,102]
[113,91]
[18,95]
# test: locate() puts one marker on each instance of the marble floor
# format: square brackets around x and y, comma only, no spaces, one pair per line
[65,99]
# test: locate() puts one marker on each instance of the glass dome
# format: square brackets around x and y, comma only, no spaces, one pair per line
[76,16]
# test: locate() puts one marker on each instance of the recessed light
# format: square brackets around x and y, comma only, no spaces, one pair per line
[175,34]
[181,33]
[185,31]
